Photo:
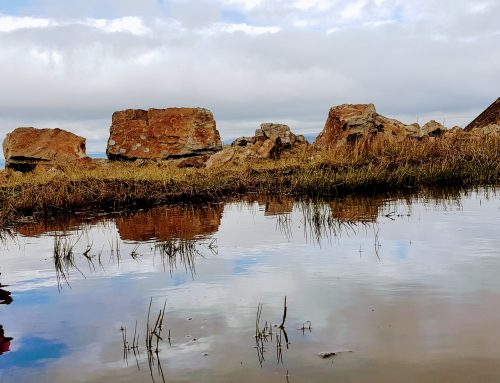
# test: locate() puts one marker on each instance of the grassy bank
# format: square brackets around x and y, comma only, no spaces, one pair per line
[366,167]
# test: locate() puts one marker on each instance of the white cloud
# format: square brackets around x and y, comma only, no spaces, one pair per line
[133,25]
[247,4]
[286,61]
[12,23]
[353,9]
[321,5]
[248,29]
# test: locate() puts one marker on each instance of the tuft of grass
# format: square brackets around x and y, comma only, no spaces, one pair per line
[365,167]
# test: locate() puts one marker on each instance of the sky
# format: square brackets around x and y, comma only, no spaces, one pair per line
[72,63]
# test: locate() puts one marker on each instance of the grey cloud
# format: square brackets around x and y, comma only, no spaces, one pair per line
[424,64]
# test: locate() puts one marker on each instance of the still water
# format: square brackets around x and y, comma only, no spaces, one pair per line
[400,289]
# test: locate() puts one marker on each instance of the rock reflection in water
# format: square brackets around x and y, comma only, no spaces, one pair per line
[165,223]
[62,224]
[5,299]
[273,205]
[4,341]
[360,209]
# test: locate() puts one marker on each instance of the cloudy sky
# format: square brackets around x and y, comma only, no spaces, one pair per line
[71,63]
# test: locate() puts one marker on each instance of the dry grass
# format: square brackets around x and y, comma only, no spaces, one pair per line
[365,167]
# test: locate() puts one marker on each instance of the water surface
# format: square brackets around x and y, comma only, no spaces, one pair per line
[400,289]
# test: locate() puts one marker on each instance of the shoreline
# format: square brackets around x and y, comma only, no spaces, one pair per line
[382,166]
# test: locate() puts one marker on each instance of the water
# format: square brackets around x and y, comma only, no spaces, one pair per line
[410,286]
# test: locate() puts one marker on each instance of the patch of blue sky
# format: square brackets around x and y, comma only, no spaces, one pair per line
[33,352]
[403,249]
[179,279]
[241,266]
[36,296]
[233,16]
[13,7]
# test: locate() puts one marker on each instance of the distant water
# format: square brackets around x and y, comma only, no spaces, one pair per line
[90,154]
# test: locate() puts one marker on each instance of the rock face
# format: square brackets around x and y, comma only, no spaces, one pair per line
[491,116]
[349,123]
[162,134]
[391,128]
[432,129]
[269,142]
[25,149]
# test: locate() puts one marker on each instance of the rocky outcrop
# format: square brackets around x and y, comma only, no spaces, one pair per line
[25,149]
[349,123]
[432,129]
[487,131]
[269,142]
[162,134]
[391,128]
[491,116]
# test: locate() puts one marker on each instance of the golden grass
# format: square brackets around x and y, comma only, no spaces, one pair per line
[368,166]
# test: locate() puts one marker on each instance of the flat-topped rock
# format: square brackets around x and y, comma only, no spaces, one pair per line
[162,134]
[25,149]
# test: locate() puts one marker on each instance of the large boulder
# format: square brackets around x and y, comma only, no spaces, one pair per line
[488,131]
[271,141]
[347,123]
[490,116]
[432,129]
[25,149]
[391,128]
[162,134]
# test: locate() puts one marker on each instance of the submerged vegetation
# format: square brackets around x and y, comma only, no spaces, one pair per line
[365,167]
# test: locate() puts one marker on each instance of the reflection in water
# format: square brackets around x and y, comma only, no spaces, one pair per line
[5,299]
[273,205]
[4,341]
[5,296]
[165,223]
[424,310]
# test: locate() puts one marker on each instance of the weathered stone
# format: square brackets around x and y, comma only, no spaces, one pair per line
[391,128]
[281,131]
[270,148]
[193,162]
[243,141]
[222,158]
[28,148]
[269,142]
[347,123]
[432,129]
[162,134]
[490,116]
[492,130]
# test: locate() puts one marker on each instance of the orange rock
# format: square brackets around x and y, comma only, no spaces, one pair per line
[347,122]
[162,134]
[491,116]
[26,148]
